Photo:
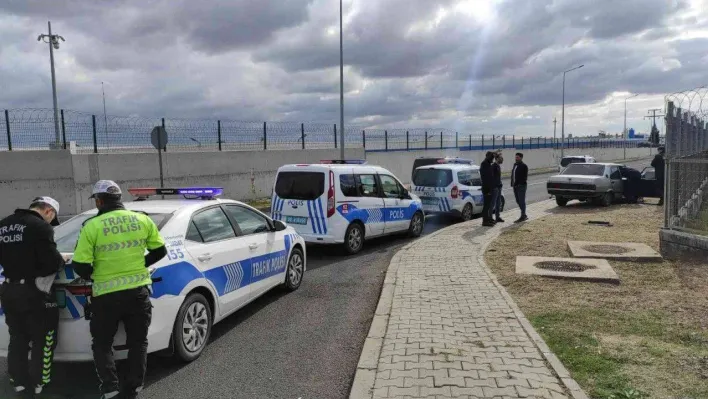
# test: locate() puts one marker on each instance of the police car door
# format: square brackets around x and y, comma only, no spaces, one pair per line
[223,257]
[396,215]
[371,202]
[269,254]
[300,200]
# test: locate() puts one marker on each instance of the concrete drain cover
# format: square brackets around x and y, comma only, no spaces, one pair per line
[612,250]
[607,249]
[563,266]
[567,268]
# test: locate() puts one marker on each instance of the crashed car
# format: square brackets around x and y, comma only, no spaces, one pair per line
[600,183]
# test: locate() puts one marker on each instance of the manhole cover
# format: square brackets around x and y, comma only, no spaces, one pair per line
[563,266]
[607,249]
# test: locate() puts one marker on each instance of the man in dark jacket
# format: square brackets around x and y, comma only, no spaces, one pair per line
[497,195]
[519,176]
[659,164]
[486,173]
[30,261]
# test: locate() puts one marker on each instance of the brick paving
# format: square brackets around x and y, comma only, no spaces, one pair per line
[445,329]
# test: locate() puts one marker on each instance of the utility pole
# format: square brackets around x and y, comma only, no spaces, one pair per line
[105,118]
[554,132]
[653,117]
[53,41]
[341,81]
[563,109]
[624,132]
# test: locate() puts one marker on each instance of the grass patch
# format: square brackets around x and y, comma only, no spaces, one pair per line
[700,225]
[259,203]
[644,338]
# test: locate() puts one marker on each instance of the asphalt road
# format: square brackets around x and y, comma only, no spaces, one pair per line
[304,344]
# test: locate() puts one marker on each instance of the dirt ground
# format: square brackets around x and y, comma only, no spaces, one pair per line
[646,337]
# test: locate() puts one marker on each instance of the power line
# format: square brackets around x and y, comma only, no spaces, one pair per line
[654,115]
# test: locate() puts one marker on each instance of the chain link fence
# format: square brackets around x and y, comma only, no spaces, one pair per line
[34,129]
[686,160]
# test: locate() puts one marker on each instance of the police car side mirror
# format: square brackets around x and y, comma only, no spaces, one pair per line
[279,225]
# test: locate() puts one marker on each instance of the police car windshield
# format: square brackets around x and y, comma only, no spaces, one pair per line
[432,177]
[585,169]
[66,234]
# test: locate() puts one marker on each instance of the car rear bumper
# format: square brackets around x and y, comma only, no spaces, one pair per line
[574,193]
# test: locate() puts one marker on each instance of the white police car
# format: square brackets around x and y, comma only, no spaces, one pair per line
[344,202]
[450,188]
[221,255]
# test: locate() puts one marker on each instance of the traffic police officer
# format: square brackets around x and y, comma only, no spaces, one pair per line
[30,261]
[111,251]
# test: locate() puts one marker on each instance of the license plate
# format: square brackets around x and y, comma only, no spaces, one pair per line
[429,201]
[295,220]
[429,191]
[61,298]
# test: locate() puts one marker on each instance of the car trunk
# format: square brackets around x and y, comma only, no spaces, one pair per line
[433,187]
[298,200]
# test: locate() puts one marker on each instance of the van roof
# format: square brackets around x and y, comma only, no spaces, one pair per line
[334,167]
[449,166]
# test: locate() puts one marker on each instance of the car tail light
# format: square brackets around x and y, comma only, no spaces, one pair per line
[85,290]
[455,192]
[330,195]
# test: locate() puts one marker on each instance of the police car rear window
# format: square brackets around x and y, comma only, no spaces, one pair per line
[305,186]
[569,160]
[585,169]
[432,177]
[66,234]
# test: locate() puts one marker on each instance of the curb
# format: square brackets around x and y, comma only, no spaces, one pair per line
[365,376]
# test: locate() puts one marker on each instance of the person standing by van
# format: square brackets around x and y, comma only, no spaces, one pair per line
[519,176]
[486,173]
[497,197]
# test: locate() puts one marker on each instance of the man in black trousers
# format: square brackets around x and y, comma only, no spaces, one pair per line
[519,176]
[486,172]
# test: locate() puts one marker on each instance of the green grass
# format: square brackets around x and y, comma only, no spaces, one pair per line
[259,203]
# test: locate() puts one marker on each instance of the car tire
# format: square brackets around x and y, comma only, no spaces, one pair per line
[467,212]
[417,224]
[295,271]
[560,201]
[196,312]
[607,199]
[354,238]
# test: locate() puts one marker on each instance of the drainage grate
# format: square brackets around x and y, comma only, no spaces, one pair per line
[563,266]
[607,249]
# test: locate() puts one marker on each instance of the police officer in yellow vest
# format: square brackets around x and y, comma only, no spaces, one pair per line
[111,251]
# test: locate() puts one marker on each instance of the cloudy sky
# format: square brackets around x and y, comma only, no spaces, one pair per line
[478,66]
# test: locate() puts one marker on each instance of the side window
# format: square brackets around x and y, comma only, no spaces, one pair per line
[368,186]
[248,221]
[213,225]
[193,233]
[347,183]
[390,186]
[615,173]
[465,178]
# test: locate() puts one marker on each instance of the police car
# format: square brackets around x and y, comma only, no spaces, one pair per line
[344,202]
[221,255]
[450,188]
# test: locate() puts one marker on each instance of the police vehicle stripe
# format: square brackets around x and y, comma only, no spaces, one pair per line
[312,219]
[322,217]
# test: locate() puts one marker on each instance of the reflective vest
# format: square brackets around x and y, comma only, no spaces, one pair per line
[115,243]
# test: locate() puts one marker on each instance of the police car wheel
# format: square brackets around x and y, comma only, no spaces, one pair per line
[416,227]
[296,269]
[354,238]
[467,212]
[192,327]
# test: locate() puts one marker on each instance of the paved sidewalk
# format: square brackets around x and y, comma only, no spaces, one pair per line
[444,327]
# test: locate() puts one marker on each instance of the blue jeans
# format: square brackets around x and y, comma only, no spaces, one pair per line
[496,202]
[520,195]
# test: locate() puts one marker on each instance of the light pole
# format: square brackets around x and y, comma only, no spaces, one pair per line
[624,131]
[105,118]
[563,110]
[53,41]
[341,82]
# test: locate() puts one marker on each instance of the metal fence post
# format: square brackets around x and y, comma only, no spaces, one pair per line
[363,138]
[386,140]
[302,134]
[408,145]
[494,141]
[522,143]
[457,142]
[335,135]
[470,142]
[63,129]
[163,126]
[482,142]
[426,139]
[95,139]
[265,136]
[7,127]
[218,133]
[504,141]
[513,141]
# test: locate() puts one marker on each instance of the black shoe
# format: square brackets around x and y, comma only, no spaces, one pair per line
[521,219]
[499,220]
[488,223]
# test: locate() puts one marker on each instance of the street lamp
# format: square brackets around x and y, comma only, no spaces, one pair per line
[341,82]
[624,132]
[53,41]
[563,110]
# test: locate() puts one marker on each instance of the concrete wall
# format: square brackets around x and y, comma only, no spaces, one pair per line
[244,175]
[69,177]
[679,245]
[401,162]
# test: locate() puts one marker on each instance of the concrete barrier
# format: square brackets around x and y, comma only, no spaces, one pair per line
[68,177]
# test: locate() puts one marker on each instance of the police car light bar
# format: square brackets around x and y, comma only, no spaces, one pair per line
[200,192]
[343,161]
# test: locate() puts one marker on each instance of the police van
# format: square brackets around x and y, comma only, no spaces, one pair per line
[344,202]
[450,189]
[221,255]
